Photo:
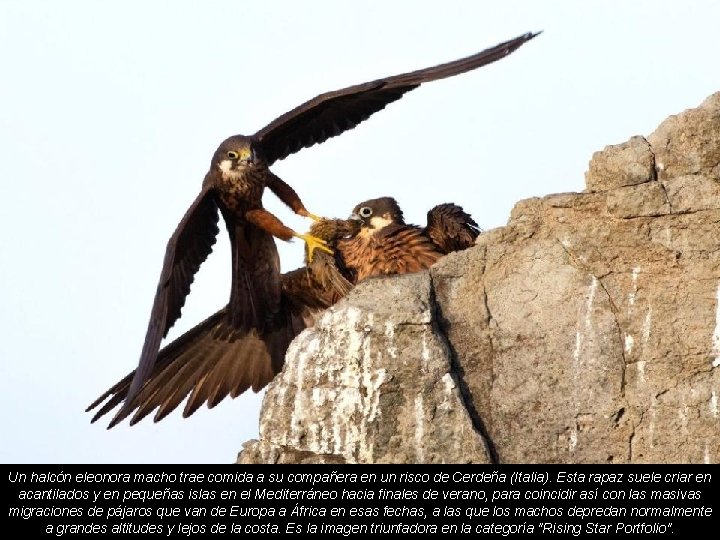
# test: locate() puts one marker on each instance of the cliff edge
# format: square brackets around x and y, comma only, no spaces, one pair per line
[587,330]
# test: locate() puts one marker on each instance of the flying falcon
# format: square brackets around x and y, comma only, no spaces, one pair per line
[213,360]
[234,185]
[387,245]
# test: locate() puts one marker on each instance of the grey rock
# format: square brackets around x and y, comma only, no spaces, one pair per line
[689,142]
[645,200]
[619,165]
[692,193]
[371,382]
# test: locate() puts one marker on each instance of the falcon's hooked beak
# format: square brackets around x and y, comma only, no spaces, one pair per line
[355,217]
[247,157]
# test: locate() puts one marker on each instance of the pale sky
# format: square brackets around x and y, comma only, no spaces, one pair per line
[111,111]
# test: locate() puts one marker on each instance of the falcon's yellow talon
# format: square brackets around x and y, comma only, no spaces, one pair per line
[312,243]
[314,217]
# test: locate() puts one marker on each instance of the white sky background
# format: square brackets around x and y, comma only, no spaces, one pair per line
[111,111]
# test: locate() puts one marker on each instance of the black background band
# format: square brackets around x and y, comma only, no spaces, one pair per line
[181,500]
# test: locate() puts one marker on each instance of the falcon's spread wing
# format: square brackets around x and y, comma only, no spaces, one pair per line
[332,113]
[214,360]
[186,250]
[451,228]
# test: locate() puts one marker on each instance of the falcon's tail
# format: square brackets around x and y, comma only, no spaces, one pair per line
[451,228]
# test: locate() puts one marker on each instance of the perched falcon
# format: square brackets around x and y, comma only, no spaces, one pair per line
[387,245]
[234,185]
[213,360]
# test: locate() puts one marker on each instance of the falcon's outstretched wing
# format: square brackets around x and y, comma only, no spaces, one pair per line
[332,113]
[186,250]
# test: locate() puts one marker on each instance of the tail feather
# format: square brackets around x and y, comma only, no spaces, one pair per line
[451,228]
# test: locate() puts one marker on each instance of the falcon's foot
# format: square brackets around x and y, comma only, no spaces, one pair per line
[314,217]
[304,213]
[312,243]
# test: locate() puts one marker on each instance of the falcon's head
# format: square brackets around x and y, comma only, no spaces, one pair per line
[235,155]
[377,214]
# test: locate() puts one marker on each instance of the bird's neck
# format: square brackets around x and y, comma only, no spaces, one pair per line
[255,175]
[241,189]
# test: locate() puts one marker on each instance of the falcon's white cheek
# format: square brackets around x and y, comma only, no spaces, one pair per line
[379,222]
[225,166]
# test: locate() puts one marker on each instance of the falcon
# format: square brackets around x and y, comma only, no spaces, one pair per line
[213,360]
[386,245]
[234,185]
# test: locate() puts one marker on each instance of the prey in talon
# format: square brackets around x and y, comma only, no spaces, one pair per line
[328,269]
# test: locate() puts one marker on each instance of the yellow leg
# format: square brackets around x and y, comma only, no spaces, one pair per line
[313,243]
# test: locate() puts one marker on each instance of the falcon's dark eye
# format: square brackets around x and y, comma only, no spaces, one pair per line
[365,211]
[232,154]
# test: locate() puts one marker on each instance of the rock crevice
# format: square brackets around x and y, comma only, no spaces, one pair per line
[458,374]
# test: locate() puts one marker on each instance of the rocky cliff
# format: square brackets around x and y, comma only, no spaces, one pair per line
[586,330]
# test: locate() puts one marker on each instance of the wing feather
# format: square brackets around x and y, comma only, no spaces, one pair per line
[186,250]
[332,113]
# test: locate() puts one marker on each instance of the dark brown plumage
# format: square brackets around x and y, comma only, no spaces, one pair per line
[234,185]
